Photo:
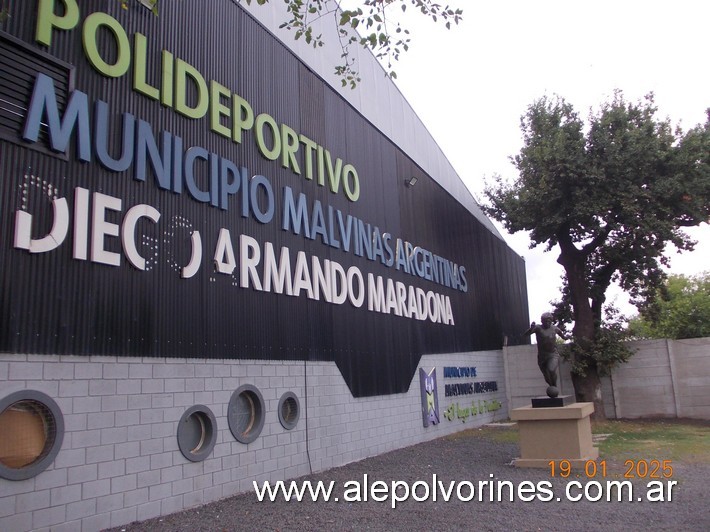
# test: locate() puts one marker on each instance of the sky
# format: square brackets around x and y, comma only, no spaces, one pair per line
[471,84]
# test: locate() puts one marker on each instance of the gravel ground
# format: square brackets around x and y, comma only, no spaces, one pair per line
[469,456]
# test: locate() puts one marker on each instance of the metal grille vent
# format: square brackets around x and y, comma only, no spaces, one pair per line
[30,435]
[19,66]
[32,430]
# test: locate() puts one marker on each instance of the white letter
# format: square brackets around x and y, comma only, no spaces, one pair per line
[302,277]
[128,232]
[395,497]
[281,273]
[196,258]
[249,261]
[576,484]
[321,279]
[448,315]
[81,222]
[353,488]
[421,305]
[412,309]
[224,247]
[337,272]
[354,273]
[60,227]
[102,228]
[432,306]
[375,294]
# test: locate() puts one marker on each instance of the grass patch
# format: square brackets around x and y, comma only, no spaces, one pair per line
[675,440]
[685,441]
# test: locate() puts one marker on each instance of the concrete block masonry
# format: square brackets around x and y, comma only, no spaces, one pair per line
[120,460]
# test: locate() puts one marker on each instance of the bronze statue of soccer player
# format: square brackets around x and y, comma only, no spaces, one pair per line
[548,358]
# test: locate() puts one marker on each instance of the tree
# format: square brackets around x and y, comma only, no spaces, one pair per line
[678,309]
[609,196]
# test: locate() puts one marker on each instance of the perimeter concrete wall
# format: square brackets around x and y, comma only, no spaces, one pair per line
[666,378]
[120,461]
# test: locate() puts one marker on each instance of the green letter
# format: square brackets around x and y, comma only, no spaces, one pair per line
[261,120]
[182,71]
[352,190]
[46,19]
[139,68]
[308,155]
[289,141]
[218,109]
[167,85]
[123,61]
[243,117]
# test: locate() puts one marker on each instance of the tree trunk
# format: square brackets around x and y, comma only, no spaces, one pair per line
[588,389]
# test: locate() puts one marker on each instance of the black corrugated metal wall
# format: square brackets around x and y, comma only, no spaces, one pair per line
[52,303]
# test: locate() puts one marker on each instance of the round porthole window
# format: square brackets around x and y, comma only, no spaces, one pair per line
[289,410]
[246,413]
[197,433]
[32,429]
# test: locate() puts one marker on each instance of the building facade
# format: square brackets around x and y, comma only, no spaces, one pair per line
[219,268]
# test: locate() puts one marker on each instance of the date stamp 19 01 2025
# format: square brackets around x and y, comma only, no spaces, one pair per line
[641,469]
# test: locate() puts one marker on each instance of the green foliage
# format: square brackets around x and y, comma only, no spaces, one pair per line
[608,349]
[609,195]
[150,4]
[369,24]
[4,12]
[679,309]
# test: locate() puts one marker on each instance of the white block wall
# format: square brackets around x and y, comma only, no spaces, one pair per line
[690,360]
[664,378]
[119,461]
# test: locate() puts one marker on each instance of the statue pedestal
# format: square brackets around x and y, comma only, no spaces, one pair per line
[547,402]
[557,433]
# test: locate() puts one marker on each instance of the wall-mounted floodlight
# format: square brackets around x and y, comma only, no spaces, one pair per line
[150,4]
[411,181]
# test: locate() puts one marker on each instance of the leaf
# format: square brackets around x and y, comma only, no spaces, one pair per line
[302,13]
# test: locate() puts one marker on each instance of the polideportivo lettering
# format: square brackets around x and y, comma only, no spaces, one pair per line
[177,168]
[175,75]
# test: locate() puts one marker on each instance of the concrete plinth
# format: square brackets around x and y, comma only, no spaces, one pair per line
[547,402]
[561,433]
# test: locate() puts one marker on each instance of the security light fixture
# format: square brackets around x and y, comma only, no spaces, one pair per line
[149,4]
[411,181]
